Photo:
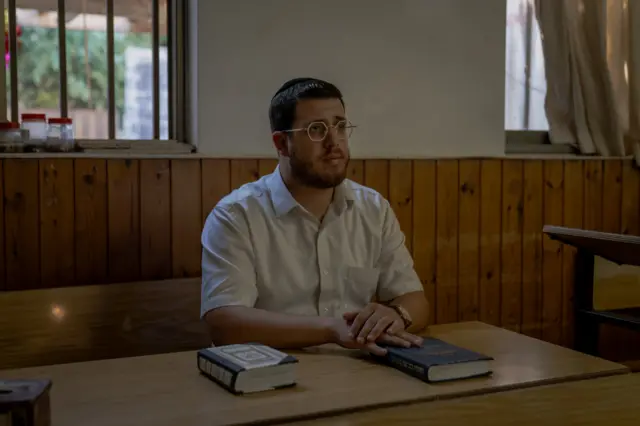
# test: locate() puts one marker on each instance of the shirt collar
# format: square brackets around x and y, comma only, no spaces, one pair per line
[283,201]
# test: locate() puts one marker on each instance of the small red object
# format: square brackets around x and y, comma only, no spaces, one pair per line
[60,120]
[30,116]
[9,125]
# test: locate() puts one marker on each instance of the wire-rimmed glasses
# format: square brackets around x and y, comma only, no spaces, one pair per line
[318,130]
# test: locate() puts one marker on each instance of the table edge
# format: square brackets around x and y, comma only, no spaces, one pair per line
[323,415]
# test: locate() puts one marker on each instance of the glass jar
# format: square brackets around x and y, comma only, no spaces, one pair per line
[60,137]
[36,126]
[11,137]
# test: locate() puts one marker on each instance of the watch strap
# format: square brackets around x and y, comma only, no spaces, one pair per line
[403,314]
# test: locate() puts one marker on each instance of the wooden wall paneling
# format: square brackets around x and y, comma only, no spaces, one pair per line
[91,223]
[401,196]
[447,210]
[216,183]
[593,195]
[2,264]
[57,223]
[573,212]
[532,224]
[630,223]
[424,227]
[490,235]
[155,219]
[469,241]
[355,171]
[552,253]
[511,247]
[186,218]
[611,196]
[22,224]
[124,219]
[376,176]
[243,171]
[267,166]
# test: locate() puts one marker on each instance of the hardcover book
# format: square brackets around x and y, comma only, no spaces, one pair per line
[438,361]
[247,368]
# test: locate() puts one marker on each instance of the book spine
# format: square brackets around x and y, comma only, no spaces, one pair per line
[416,370]
[218,373]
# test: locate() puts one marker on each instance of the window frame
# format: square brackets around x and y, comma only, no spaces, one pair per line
[178,69]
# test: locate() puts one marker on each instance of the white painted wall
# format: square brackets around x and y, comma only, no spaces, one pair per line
[421,78]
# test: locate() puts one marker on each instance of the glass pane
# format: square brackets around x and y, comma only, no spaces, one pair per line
[518,90]
[87,81]
[538,82]
[38,57]
[134,62]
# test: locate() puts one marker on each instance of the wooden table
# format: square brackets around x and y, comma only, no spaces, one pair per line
[167,389]
[596,402]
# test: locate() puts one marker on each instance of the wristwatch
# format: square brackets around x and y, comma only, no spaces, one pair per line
[404,314]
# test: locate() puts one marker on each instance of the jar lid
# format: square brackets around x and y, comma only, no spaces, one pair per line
[60,120]
[30,116]
[8,125]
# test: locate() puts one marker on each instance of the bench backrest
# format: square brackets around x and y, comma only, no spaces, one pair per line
[41,327]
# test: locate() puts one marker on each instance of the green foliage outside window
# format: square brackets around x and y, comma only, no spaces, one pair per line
[87,78]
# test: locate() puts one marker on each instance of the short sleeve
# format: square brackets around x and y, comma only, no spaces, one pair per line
[397,274]
[228,272]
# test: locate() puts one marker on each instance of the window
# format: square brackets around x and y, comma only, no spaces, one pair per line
[526,84]
[115,73]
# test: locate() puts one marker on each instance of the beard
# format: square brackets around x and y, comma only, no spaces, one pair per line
[305,173]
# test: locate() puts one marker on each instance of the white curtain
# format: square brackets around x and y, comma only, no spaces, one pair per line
[592,65]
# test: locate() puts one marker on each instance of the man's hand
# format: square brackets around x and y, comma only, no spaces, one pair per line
[375,320]
[341,331]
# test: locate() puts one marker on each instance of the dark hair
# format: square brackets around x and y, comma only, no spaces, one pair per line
[282,111]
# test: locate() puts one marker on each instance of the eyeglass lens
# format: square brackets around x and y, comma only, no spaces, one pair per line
[318,131]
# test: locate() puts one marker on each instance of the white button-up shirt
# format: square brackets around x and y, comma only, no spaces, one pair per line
[261,249]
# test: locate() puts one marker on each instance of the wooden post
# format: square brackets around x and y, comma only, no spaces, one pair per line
[3,79]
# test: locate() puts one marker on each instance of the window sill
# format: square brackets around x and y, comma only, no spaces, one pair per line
[116,149]
[520,148]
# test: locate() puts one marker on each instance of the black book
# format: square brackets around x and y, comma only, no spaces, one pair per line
[247,368]
[437,361]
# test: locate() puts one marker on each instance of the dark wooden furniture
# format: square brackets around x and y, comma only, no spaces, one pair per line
[70,324]
[607,282]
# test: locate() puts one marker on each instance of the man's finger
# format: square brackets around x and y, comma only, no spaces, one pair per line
[375,349]
[379,328]
[350,316]
[415,340]
[367,327]
[359,320]
[396,327]
[394,340]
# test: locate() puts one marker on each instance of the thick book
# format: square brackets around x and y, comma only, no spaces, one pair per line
[247,368]
[438,361]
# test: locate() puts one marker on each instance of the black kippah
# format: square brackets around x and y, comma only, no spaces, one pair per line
[292,83]
[299,85]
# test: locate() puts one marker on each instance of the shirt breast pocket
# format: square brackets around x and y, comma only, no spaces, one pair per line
[360,285]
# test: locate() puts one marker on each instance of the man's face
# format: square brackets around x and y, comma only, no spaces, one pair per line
[318,164]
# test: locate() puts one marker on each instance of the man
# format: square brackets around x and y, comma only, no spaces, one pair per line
[296,258]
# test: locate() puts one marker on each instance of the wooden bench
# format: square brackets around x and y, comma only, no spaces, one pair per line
[71,324]
[607,283]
